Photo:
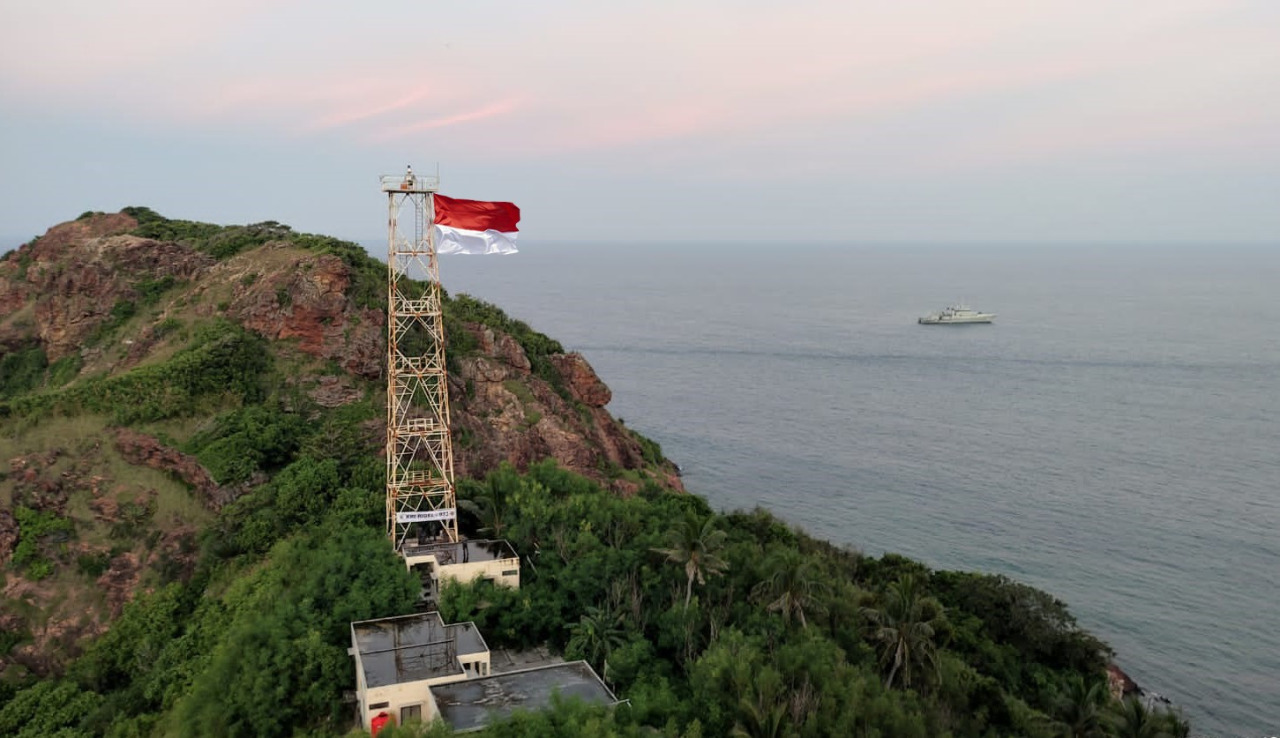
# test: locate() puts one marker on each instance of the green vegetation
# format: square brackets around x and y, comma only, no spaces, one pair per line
[167,327]
[707,624]
[253,643]
[223,361]
[27,370]
[247,440]
[220,242]
[649,448]
[150,290]
[368,288]
[121,312]
[24,262]
[22,371]
[36,530]
[64,370]
[256,656]
[715,624]
[905,629]
[92,565]
[695,545]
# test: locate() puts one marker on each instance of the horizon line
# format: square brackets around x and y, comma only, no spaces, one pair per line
[11,243]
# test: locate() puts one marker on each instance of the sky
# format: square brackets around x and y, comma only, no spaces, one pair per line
[1020,121]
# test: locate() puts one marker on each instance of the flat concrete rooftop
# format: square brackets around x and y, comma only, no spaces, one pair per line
[474,703]
[461,552]
[409,648]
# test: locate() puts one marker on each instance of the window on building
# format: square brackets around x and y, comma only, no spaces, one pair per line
[379,705]
[411,712]
[510,572]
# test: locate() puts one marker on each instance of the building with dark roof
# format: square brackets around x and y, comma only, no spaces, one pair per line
[399,658]
[415,667]
[473,704]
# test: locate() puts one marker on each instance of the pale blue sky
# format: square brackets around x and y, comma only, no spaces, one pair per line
[852,120]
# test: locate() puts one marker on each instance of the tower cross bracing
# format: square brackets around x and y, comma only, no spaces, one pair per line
[421,503]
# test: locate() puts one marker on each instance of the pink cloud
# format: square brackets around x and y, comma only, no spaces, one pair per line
[361,112]
[493,110]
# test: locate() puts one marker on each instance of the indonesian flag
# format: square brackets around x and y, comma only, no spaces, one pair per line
[475,226]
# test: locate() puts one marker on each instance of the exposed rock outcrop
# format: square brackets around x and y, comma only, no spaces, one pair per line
[77,272]
[8,535]
[503,412]
[1119,684]
[304,297]
[144,450]
[581,379]
[331,391]
[37,486]
[120,581]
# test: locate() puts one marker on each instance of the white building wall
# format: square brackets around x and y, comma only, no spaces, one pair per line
[476,664]
[399,696]
[505,572]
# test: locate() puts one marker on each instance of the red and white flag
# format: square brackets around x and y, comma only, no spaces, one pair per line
[475,226]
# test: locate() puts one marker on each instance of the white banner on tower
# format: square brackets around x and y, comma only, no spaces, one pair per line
[422,516]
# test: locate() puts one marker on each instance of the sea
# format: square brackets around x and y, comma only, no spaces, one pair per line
[1113,438]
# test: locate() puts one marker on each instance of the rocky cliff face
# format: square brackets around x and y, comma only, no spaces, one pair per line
[503,412]
[284,294]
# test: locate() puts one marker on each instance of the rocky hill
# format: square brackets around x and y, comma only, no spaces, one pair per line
[153,372]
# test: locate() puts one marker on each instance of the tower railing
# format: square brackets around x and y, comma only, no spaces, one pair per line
[409,182]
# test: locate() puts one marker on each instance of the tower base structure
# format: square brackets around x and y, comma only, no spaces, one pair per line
[463,561]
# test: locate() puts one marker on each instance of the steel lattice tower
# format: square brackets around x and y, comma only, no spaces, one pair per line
[420,492]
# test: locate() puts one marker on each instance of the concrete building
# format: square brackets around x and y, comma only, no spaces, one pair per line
[415,667]
[464,561]
[399,658]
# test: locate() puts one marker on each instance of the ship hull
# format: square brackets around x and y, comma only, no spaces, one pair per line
[974,320]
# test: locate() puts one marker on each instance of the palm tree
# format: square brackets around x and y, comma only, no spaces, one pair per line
[1133,718]
[696,544]
[595,635]
[1175,726]
[905,626]
[1129,718]
[490,503]
[794,586]
[1078,709]
[762,710]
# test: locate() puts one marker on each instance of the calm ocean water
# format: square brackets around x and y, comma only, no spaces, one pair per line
[1114,438]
